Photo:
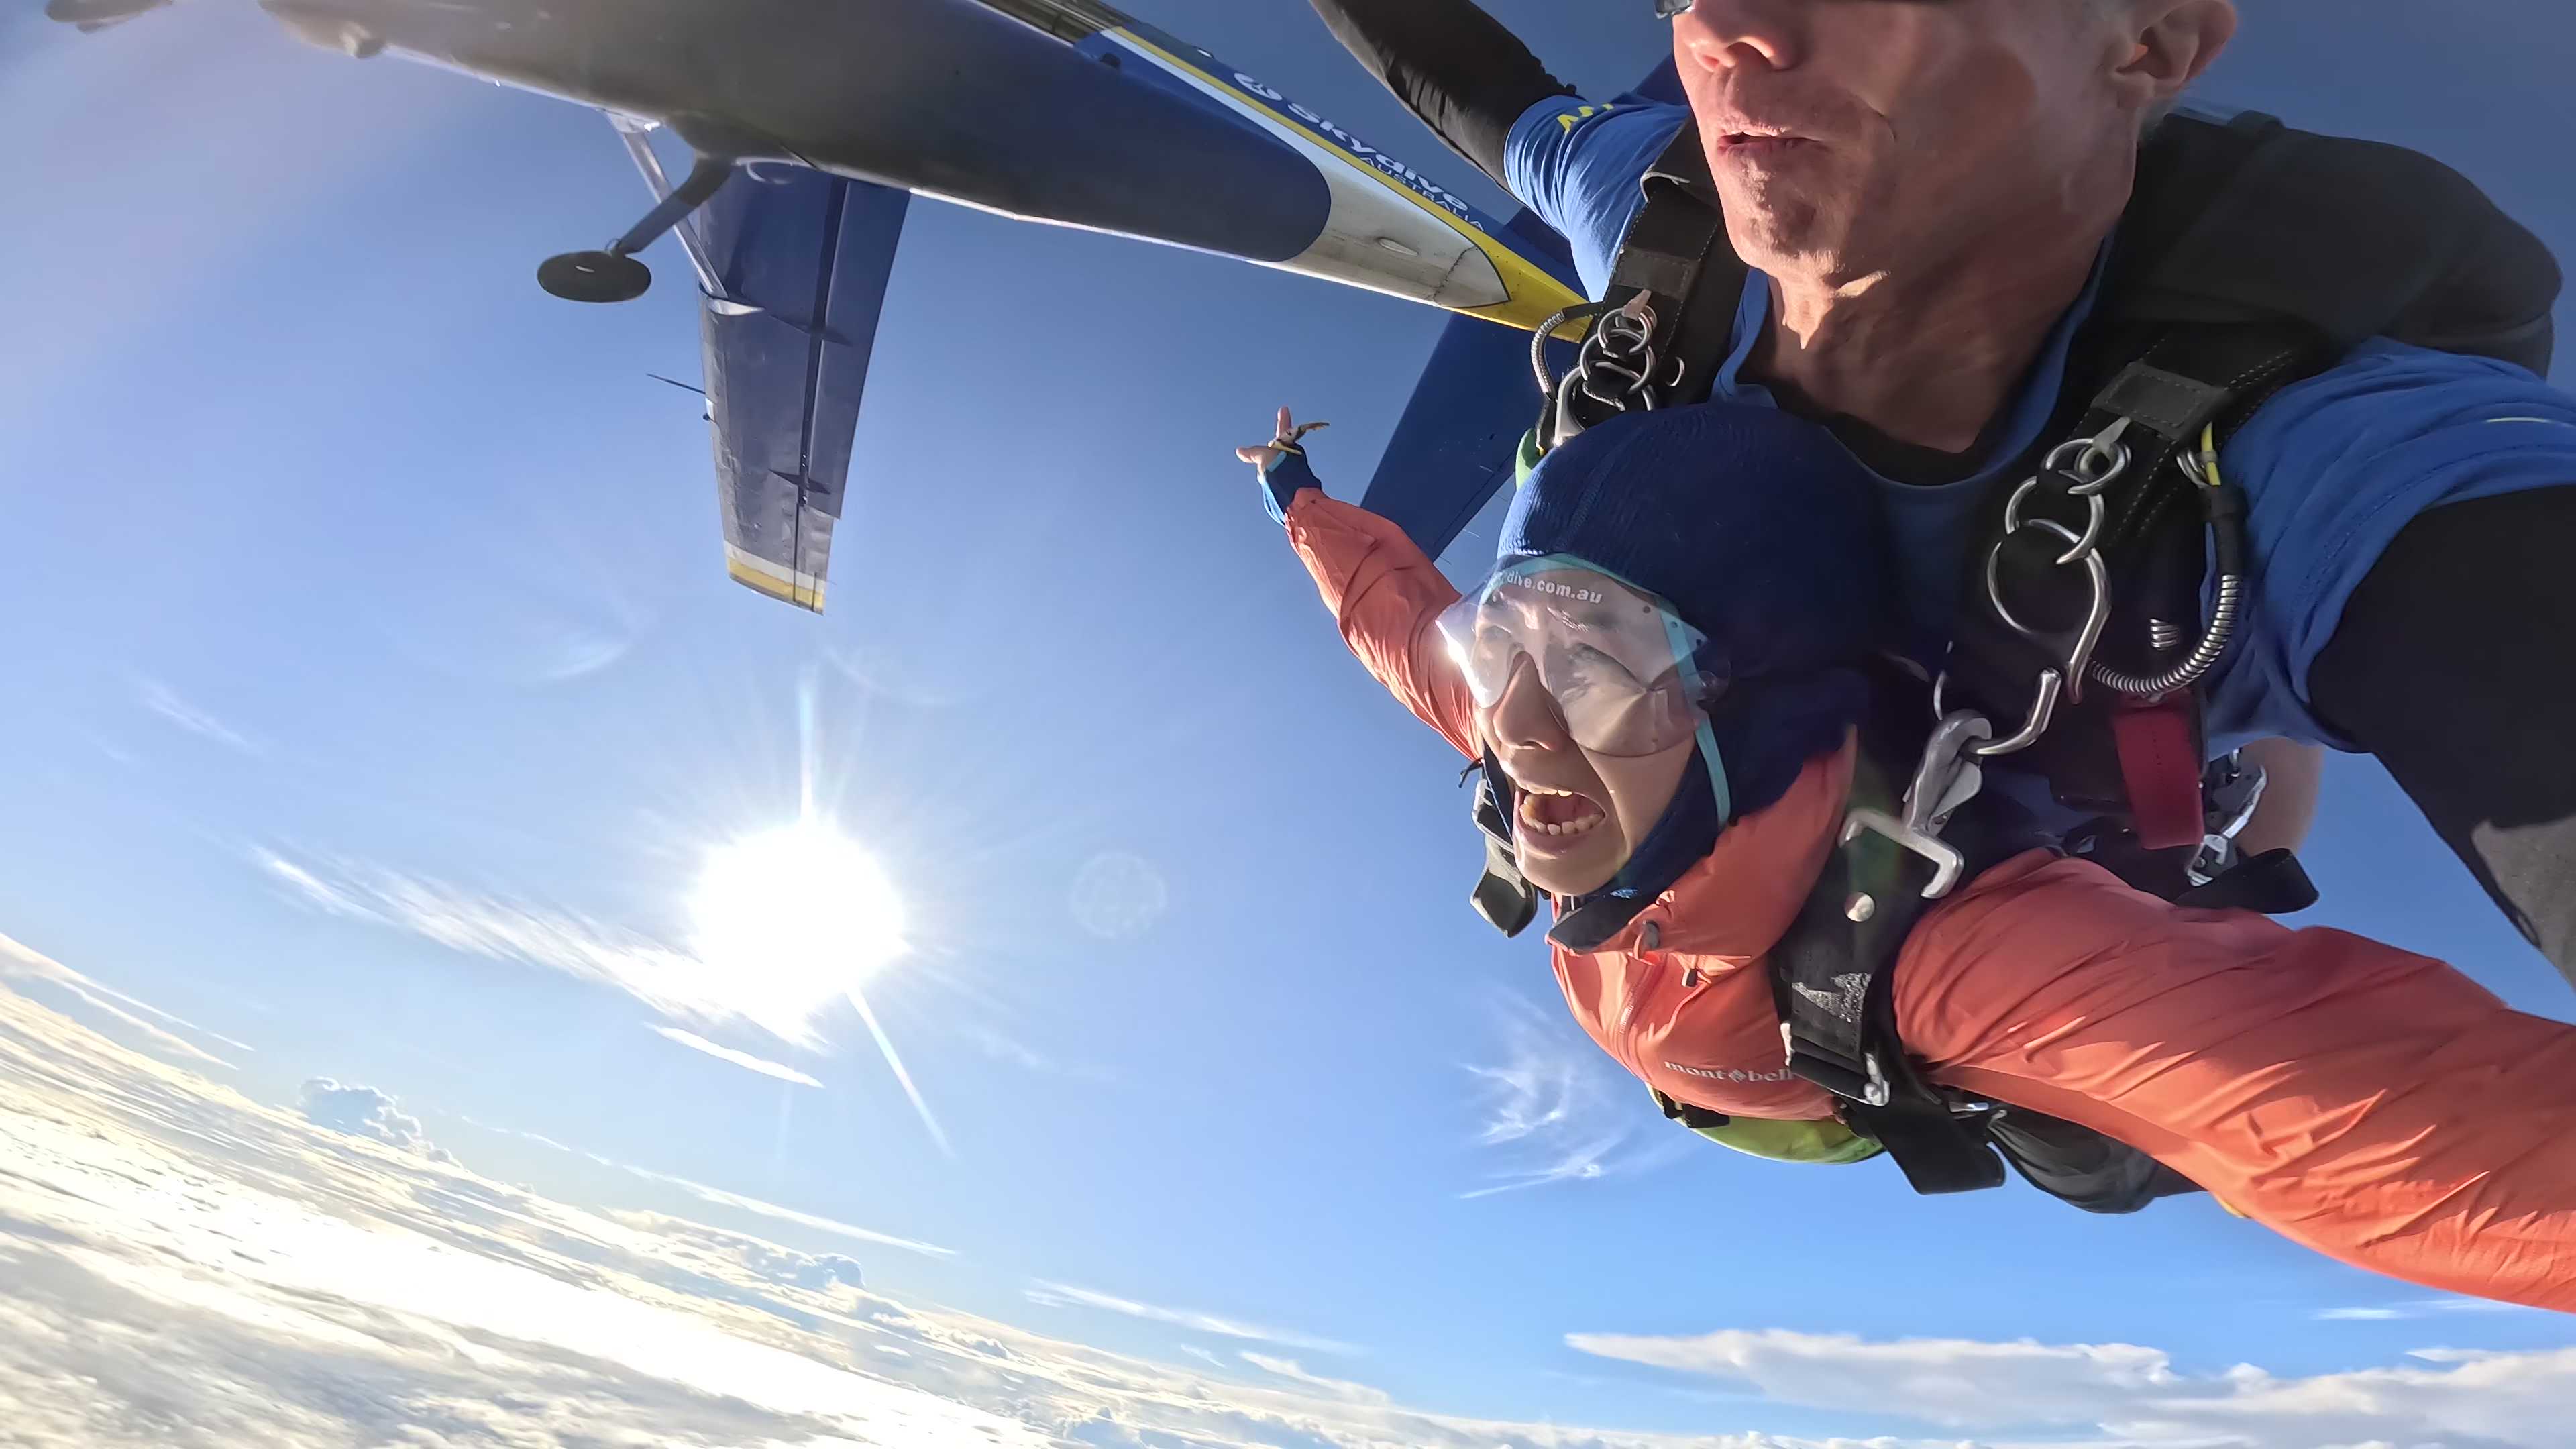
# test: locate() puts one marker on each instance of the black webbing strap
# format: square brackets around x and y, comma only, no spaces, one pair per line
[1833,979]
[1503,896]
[1676,249]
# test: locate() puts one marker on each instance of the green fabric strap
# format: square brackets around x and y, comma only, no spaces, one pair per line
[1826,1142]
[1524,460]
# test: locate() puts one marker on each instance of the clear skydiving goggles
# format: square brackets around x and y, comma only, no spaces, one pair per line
[1667,9]
[1615,661]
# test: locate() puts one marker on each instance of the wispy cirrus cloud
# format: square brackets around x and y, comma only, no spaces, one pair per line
[1002,1047]
[502,928]
[1557,1109]
[1065,1295]
[2415,1308]
[744,1060]
[1296,1373]
[721,1198]
[166,702]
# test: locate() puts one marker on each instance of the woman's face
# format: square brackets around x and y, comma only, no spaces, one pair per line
[1581,814]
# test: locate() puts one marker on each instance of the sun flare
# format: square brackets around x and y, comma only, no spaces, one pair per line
[792,918]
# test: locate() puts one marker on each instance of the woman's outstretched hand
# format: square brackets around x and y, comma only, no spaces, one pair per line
[1282,443]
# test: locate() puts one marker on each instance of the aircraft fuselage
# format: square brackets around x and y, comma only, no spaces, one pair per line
[1059,111]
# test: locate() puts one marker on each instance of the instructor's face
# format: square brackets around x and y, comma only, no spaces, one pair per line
[1846,135]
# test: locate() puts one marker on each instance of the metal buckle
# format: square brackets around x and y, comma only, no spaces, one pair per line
[1947,778]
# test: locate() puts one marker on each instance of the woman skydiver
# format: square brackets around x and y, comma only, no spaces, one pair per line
[1669,668]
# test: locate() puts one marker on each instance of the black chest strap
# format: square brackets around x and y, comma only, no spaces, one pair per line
[1833,979]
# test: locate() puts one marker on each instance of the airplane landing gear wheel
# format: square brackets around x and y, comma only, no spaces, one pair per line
[594,277]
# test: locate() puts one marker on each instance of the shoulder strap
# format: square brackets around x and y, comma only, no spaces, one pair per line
[1663,327]
[1676,251]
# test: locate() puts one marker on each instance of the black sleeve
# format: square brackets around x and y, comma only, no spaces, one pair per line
[1451,64]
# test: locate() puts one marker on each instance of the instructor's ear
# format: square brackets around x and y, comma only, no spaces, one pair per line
[2170,43]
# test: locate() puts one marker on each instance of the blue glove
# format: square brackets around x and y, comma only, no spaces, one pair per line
[1283,480]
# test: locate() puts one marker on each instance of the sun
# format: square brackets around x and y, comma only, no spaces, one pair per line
[792,918]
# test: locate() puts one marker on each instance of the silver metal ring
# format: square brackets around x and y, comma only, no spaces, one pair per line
[2092,462]
[1994,574]
[2096,513]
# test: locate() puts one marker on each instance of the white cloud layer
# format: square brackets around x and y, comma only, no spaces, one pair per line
[2128,1396]
[181,1267]
[21,965]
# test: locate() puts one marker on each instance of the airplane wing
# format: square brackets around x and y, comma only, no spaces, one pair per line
[800,261]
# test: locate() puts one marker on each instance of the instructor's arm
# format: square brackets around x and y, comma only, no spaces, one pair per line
[1464,75]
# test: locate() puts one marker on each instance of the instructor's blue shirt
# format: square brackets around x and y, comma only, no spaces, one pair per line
[2332,468]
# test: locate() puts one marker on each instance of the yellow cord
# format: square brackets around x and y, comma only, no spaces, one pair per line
[2209,457]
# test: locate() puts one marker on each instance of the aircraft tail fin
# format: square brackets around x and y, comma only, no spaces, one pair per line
[1454,447]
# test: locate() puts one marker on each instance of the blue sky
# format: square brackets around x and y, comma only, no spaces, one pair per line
[335,547]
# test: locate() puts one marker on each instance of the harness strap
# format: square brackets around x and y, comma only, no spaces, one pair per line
[1503,896]
[1675,261]
[1832,978]
[2030,605]
[1676,250]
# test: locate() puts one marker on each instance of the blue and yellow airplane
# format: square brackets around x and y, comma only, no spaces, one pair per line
[813,123]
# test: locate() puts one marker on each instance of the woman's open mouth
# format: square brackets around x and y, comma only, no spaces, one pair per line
[1552,817]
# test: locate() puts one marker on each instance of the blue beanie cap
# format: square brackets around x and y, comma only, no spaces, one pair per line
[1763,533]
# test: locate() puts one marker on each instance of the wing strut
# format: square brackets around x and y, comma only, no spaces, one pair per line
[613,275]
[636,135]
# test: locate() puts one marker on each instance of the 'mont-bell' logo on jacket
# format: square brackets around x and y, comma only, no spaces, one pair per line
[1730,1074]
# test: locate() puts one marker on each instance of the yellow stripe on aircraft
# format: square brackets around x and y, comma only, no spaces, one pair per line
[1535,296]
[804,591]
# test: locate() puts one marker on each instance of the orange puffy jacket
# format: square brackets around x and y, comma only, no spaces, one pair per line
[2375,1105]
